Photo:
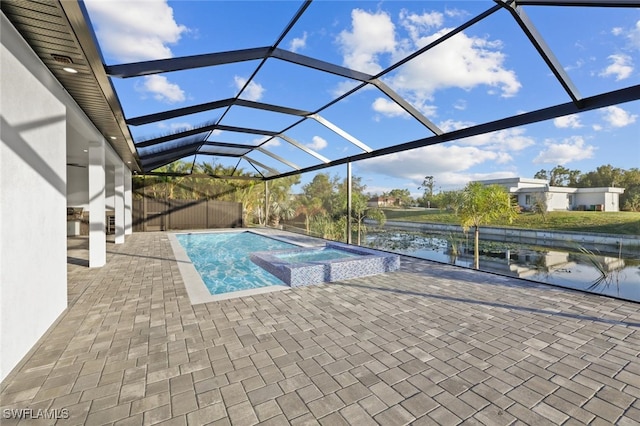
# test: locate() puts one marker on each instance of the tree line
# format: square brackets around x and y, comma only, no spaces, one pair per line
[321,208]
[603,176]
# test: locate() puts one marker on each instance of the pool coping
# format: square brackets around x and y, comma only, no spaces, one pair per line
[195,286]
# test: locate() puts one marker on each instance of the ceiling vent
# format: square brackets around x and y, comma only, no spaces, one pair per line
[62,59]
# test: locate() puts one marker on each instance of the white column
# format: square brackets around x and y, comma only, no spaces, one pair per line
[119,202]
[97,226]
[128,203]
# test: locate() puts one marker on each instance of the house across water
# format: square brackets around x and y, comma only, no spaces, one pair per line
[383,201]
[529,191]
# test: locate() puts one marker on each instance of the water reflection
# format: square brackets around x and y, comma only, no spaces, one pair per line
[579,269]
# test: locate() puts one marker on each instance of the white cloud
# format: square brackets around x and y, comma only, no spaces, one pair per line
[511,140]
[460,104]
[372,34]
[448,164]
[503,158]
[568,121]
[579,64]
[459,180]
[143,33]
[417,24]
[317,143]
[634,36]
[161,89]
[271,144]
[253,92]
[450,125]
[431,160]
[462,61]
[501,141]
[617,117]
[621,67]
[344,86]
[571,149]
[425,108]
[456,13]
[132,31]
[389,108]
[298,43]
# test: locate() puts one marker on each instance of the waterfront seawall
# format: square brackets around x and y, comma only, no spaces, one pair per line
[627,244]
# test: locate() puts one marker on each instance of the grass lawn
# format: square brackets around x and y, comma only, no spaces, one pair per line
[624,223]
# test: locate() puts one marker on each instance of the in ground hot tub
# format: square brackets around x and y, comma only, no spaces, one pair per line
[332,262]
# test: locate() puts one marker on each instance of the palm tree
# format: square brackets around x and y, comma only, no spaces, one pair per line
[171,182]
[360,212]
[279,197]
[309,207]
[281,210]
[482,204]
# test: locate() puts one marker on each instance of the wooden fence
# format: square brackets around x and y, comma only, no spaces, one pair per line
[162,215]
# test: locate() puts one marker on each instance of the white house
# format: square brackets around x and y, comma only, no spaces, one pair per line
[558,197]
[52,156]
[383,202]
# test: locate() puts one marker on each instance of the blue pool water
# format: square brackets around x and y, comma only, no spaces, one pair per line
[315,255]
[222,259]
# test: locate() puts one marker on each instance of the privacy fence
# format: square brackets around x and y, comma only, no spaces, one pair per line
[169,214]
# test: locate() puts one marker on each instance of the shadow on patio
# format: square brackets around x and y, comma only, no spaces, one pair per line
[424,345]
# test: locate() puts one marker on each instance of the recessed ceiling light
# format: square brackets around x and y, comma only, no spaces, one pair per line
[85,150]
[128,162]
[70,70]
[113,138]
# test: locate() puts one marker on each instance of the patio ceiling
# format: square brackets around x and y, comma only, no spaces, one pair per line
[61,38]
[58,30]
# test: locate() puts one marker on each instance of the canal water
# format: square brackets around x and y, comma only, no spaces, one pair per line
[607,270]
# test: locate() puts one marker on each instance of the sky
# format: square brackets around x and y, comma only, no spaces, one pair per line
[489,71]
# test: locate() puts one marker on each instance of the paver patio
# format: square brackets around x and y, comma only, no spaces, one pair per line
[430,344]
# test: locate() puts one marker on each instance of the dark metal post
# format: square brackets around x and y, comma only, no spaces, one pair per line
[144,203]
[349,202]
[266,202]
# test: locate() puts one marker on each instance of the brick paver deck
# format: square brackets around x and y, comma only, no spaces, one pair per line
[430,344]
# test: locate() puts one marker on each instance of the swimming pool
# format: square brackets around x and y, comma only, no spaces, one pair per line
[219,265]
[222,259]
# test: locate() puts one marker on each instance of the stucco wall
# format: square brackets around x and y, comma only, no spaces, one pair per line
[109,189]
[612,202]
[554,200]
[78,187]
[589,198]
[557,201]
[33,270]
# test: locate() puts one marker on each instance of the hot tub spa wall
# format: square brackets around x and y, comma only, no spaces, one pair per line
[371,262]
